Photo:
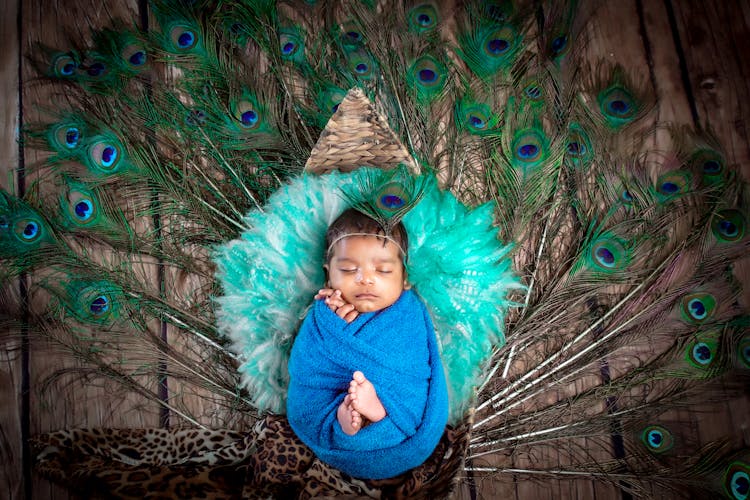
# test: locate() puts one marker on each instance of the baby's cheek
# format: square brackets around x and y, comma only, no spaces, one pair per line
[347,298]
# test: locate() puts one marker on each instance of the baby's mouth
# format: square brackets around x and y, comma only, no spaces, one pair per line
[365,296]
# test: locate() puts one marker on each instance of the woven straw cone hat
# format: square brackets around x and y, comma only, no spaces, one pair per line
[356,136]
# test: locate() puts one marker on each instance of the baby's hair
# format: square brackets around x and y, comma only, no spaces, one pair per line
[353,222]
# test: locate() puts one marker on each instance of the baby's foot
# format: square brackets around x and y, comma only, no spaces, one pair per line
[349,419]
[364,398]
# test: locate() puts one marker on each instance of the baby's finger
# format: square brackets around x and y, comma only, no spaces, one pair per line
[343,310]
[335,301]
[338,304]
[351,316]
[323,293]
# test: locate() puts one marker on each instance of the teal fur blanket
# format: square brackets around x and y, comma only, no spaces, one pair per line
[456,264]
[397,351]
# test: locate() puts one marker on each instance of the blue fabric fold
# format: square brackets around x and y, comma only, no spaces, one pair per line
[397,351]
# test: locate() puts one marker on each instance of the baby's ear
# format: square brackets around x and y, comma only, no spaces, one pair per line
[407,285]
[325,270]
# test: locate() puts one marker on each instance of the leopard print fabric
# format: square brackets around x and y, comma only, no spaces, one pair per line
[269,462]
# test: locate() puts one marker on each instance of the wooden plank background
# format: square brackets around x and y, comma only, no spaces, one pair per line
[693,53]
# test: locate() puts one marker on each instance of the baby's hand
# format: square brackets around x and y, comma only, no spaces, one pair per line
[337,304]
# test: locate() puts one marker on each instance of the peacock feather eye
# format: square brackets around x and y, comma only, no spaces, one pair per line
[66,137]
[288,47]
[728,225]
[93,301]
[94,67]
[292,44]
[361,64]
[527,151]
[496,45]
[238,31]
[428,77]
[22,229]
[351,35]
[99,306]
[105,155]
[423,18]
[673,184]
[529,148]
[28,230]
[81,206]
[248,114]
[627,191]
[135,56]
[183,38]
[657,439]
[576,147]
[533,91]
[579,150]
[83,209]
[328,100]
[477,121]
[558,46]
[743,350]
[72,136]
[697,307]
[475,118]
[710,164]
[196,118]
[712,167]
[499,43]
[64,65]
[392,197]
[701,353]
[618,105]
[737,480]
[608,254]
[490,49]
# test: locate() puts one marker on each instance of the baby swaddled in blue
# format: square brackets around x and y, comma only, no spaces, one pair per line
[397,351]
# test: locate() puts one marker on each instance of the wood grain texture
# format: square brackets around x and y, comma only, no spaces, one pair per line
[70,402]
[12,482]
[716,38]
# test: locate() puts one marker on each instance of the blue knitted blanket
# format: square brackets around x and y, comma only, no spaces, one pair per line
[397,351]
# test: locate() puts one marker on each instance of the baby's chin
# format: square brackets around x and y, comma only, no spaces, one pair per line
[366,308]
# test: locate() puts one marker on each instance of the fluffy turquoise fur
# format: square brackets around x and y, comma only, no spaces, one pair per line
[271,273]
[463,273]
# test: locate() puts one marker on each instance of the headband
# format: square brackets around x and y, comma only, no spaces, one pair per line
[383,236]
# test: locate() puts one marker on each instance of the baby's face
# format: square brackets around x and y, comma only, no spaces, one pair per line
[369,274]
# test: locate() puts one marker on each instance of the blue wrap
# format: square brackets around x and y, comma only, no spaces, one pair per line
[397,351]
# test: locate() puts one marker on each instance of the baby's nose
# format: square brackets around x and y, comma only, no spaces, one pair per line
[364,276]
